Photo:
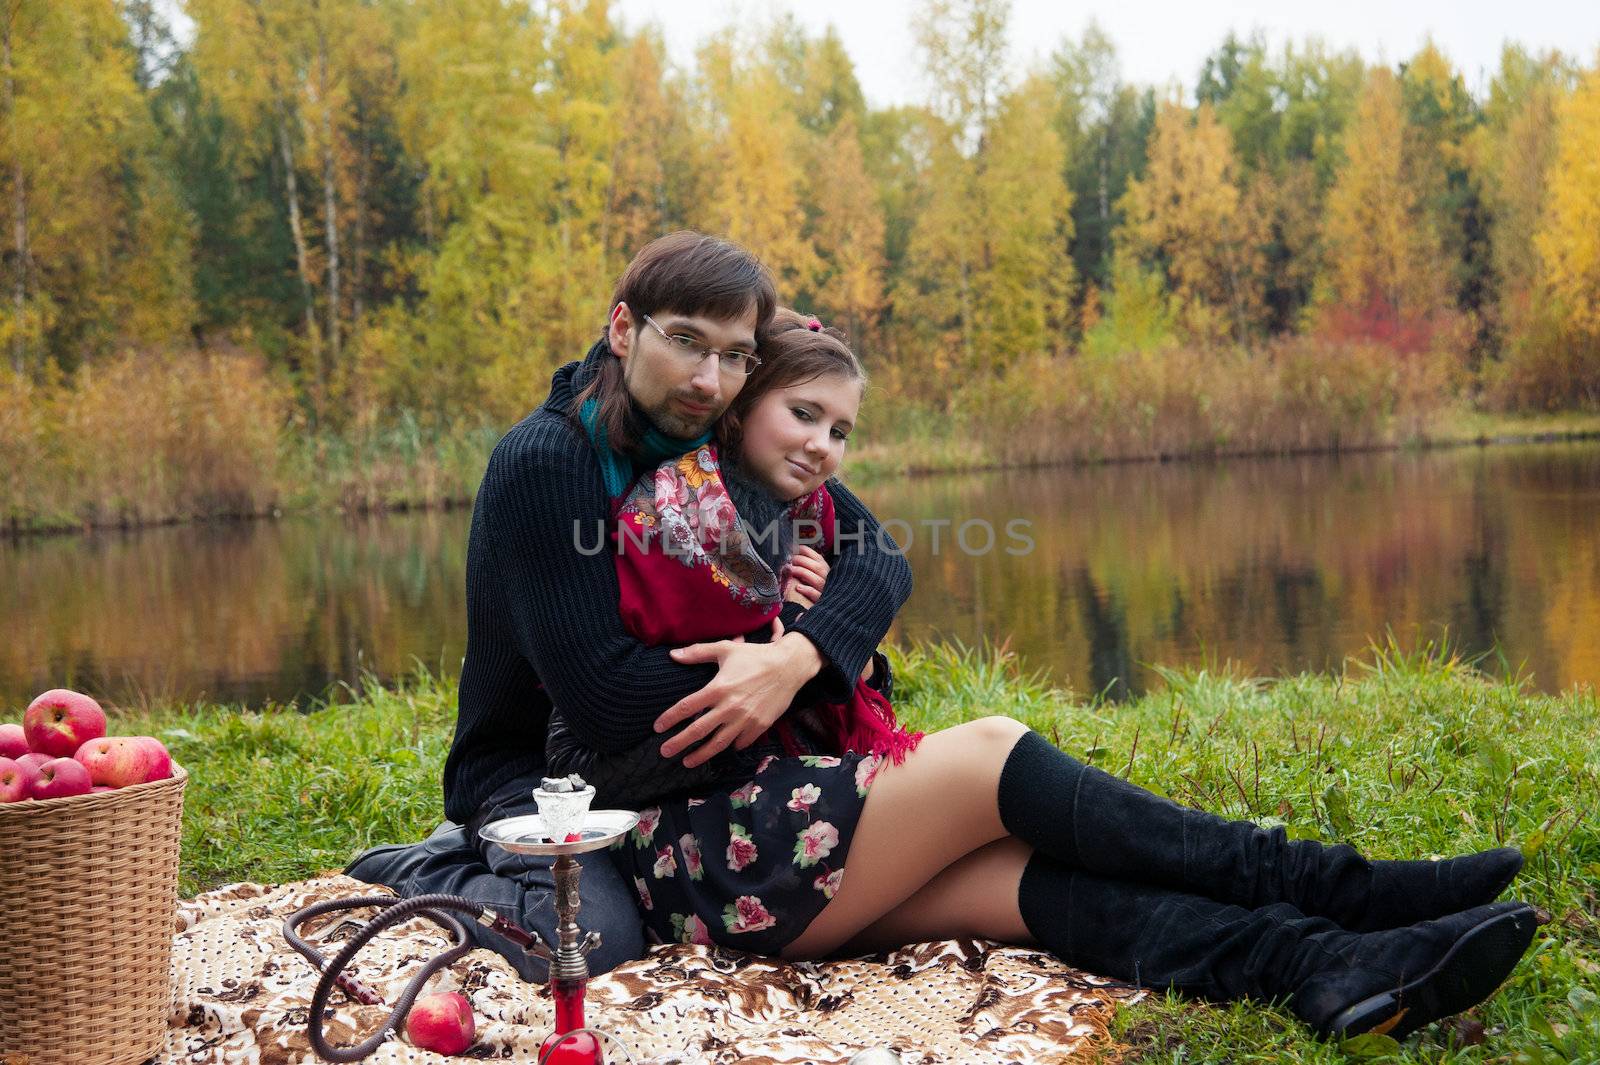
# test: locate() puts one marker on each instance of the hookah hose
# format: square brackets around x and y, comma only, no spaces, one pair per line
[393,912]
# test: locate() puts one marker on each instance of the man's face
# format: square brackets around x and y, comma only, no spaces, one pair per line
[682,394]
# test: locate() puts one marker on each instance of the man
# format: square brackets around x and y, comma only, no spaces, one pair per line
[543,621]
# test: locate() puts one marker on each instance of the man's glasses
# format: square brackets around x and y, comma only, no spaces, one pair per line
[731,362]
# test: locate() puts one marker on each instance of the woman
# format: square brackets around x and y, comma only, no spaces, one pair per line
[839,832]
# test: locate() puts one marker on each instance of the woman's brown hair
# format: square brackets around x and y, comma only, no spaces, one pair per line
[792,353]
[689,274]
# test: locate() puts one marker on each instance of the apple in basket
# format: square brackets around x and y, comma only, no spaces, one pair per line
[13,741]
[16,780]
[118,761]
[160,760]
[442,1022]
[60,721]
[60,778]
[35,759]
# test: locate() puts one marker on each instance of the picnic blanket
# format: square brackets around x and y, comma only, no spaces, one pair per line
[240,995]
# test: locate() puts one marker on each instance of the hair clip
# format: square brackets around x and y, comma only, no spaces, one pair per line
[814,325]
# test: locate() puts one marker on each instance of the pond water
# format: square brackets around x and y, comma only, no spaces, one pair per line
[1095,575]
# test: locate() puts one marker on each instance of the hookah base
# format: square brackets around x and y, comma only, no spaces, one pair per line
[577,1047]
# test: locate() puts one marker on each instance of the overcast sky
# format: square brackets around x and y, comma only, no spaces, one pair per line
[1161,40]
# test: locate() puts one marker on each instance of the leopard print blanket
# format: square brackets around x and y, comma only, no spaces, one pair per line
[240,995]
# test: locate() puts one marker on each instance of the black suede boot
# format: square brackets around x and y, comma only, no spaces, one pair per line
[1340,983]
[1094,821]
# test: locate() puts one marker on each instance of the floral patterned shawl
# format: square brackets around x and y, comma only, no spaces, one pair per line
[688,572]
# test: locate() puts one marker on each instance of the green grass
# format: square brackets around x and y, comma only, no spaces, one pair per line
[1403,755]
[279,794]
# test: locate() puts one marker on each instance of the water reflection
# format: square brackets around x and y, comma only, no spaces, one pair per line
[236,611]
[1279,565]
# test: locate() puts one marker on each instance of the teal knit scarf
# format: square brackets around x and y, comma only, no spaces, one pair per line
[656,448]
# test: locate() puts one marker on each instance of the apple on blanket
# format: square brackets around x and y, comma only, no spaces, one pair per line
[442,1022]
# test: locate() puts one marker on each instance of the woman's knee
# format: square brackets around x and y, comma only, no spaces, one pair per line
[976,750]
[976,746]
[956,765]
[995,732]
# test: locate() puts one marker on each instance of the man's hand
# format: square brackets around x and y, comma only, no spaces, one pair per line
[754,685]
[808,572]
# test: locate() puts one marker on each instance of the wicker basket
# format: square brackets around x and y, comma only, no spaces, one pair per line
[88,892]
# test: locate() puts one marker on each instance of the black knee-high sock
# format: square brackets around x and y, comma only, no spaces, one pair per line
[1088,819]
[1091,820]
[1039,796]
[1159,938]
[1338,981]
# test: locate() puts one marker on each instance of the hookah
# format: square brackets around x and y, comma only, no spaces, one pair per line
[563,827]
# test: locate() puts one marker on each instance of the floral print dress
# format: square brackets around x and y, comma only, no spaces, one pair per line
[748,868]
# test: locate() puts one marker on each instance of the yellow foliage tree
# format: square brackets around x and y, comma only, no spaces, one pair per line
[1378,243]
[470,116]
[989,269]
[848,232]
[817,73]
[471,69]
[988,275]
[1569,233]
[935,298]
[1184,216]
[98,241]
[1290,204]
[513,113]
[573,273]
[1027,281]
[1440,118]
[760,159]
[1512,153]
[656,169]
[963,49]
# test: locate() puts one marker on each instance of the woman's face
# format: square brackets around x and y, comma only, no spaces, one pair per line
[794,437]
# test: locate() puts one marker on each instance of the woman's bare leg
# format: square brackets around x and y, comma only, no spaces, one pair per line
[975,897]
[935,808]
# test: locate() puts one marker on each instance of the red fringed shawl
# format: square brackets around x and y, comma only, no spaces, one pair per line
[689,572]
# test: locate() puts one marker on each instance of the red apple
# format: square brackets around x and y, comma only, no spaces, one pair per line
[98,788]
[16,780]
[35,759]
[160,760]
[58,722]
[442,1022]
[59,778]
[13,741]
[95,756]
[116,761]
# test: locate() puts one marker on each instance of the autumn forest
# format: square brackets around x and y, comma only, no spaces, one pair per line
[327,250]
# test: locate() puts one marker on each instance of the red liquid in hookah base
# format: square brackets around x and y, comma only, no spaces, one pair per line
[581,1049]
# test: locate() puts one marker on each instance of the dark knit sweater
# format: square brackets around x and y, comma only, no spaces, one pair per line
[543,620]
